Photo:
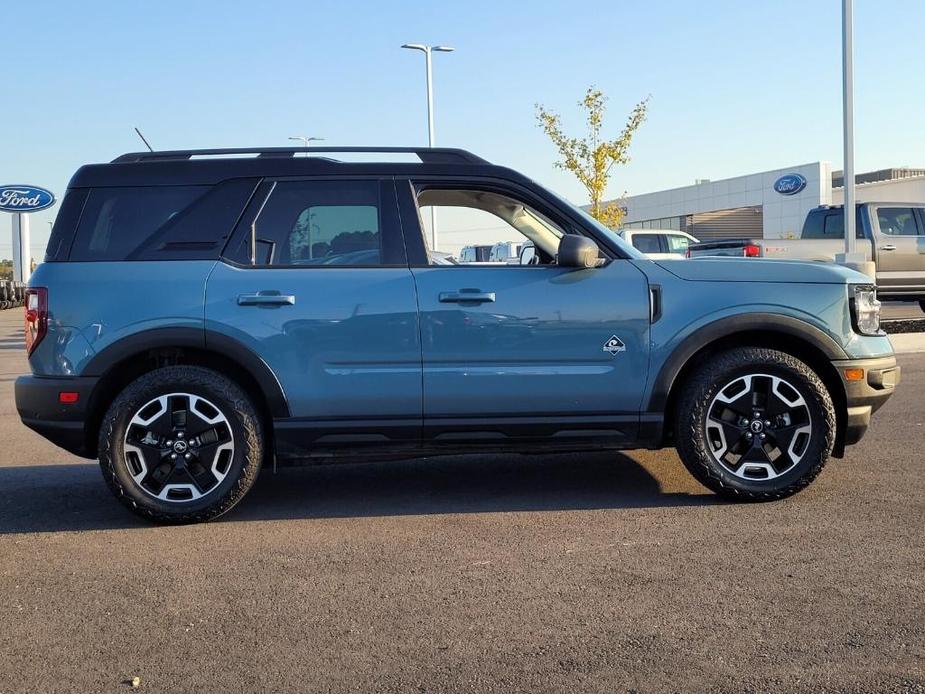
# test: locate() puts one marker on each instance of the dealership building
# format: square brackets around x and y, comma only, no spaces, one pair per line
[770,204]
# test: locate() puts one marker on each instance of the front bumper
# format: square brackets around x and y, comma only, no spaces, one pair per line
[37,400]
[868,394]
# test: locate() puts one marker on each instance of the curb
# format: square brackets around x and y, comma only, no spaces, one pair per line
[908,343]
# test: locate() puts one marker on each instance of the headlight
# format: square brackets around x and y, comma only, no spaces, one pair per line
[865,309]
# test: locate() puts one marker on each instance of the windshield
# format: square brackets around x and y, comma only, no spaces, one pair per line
[608,233]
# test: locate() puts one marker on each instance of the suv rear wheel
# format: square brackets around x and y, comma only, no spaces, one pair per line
[755,424]
[181,444]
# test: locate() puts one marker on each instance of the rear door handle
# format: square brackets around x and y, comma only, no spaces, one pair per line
[888,247]
[266,298]
[465,296]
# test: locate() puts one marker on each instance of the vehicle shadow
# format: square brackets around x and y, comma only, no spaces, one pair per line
[52,498]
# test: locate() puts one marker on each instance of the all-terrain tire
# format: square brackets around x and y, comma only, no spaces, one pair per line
[709,379]
[242,419]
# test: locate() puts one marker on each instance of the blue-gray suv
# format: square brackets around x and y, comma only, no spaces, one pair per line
[200,314]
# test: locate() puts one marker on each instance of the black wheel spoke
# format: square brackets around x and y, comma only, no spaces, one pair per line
[159,469]
[761,392]
[784,436]
[160,425]
[178,406]
[778,406]
[200,470]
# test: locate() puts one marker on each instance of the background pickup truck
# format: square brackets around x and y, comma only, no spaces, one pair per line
[891,234]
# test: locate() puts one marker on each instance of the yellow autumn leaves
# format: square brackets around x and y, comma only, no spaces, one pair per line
[592,157]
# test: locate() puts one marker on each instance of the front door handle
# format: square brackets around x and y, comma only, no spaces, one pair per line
[267,298]
[888,247]
[466,296]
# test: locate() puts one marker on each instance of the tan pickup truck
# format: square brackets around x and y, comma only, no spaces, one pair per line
[892,234]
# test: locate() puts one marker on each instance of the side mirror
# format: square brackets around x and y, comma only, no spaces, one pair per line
[577,251]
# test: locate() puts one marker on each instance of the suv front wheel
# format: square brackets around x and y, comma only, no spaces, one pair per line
[755,424]
[181,444]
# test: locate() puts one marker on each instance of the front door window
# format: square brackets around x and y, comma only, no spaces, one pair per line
[469,220]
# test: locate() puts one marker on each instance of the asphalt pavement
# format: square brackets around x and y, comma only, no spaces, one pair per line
[559,573]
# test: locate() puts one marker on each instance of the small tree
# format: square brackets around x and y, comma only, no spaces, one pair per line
[591,158]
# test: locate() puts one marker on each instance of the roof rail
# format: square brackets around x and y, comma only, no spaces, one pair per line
[427,155]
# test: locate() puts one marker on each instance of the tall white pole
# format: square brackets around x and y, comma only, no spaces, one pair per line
[431,138]
[852,258]
[22,256]
[429,66]
[430,135]
[848,109]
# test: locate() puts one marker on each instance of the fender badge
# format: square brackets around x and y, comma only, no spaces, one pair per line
[614,345]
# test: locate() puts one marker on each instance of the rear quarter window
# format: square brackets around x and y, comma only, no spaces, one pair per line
[158,222]
[62,232]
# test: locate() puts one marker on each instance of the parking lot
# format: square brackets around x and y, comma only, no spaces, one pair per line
[579,572]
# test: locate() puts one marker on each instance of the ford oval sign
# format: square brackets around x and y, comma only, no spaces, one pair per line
[25,198]
[791,184]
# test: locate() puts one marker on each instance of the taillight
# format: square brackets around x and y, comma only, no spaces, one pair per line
[36,316]
[751,251]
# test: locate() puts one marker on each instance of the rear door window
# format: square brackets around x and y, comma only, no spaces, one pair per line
[318,223]
[315,223]
[898,221]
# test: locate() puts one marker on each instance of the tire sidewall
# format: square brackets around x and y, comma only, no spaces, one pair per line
[223,394]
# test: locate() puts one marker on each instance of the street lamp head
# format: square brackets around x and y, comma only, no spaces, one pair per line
[443,49]
[415,46]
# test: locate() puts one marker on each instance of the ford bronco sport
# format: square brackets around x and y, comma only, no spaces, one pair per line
[200,314]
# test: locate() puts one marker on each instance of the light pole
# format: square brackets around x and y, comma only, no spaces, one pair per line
[428,66]
[851,258]
[306,140]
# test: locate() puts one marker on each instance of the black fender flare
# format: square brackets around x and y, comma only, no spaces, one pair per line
[725,327]
[198,339]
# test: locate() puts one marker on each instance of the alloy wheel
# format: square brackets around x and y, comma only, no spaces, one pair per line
[758,426]
[178,447]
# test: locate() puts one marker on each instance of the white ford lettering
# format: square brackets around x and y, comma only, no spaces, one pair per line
[19,198]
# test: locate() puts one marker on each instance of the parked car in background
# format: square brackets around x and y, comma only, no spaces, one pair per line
[889,233]
[475,254]
[659,243]
[442,258]
[202,313]
[506,252]
[528,254]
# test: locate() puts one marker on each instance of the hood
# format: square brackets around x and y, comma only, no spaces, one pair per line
[761,270]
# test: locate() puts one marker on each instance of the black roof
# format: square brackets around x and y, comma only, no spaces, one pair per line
[209,166]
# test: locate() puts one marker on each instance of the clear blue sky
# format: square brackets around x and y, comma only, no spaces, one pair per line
[737,86]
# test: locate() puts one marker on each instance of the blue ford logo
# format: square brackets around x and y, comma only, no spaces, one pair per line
[25,198]
[791,184]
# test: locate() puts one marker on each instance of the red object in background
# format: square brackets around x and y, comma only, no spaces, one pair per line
[36,316]
[752,251]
